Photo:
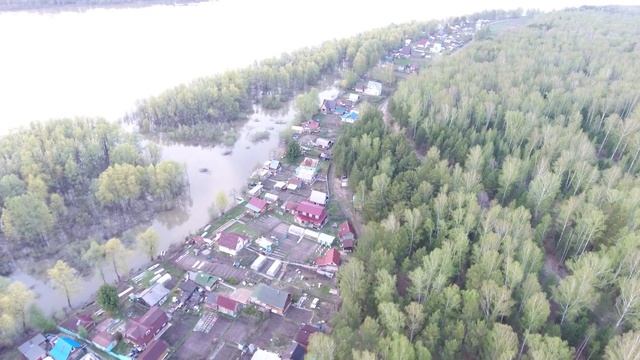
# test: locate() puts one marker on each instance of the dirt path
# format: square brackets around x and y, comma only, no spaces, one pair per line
[344,197]
[395,127]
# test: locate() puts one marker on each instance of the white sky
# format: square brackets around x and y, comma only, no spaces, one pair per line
[99,62]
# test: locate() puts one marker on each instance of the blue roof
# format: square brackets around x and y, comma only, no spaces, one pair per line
[63,348]
[352,115]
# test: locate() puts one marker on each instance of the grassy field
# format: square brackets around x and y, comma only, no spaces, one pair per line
[230,214]
[241,228]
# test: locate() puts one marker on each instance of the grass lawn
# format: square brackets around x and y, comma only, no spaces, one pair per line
[230,214]
[285,217]
[123,348]
[243,229]
[401,62]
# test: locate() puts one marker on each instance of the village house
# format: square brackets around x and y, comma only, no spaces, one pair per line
[187,289]
[64,348]
[421,45]
[103,337]
[374,88]
[104,341]
[350,117]
[345,103]
[310,214]
[329,262]
[303,335]
[264,244]
[140,331]
[275,300]
[404,52]
[265,355]
[347,236]
[154,295]
[294,183]
[35,348]
[224,305]
[256,206]
[295,352]
[327,107]
[204,280]
[156,350]
[256,190]
[323,143]
[231,243]
[360,87]
[73,325]
[311,126]
[290,207]
[307,170]
[271,198]
[353,98]
[318,197]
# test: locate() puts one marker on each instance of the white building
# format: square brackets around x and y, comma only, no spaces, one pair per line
[318,197]
[374,88]
[265,355]
[270,198]
[274,268]
[256,190]
[257,263]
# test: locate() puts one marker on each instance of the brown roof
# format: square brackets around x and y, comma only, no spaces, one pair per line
[310,208]
[230,240]
[302,337]
[227,303]
[331,257]
[155,351]
[142,330]
[102,338]
[345,230]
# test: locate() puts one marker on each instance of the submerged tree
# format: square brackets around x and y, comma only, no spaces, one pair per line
[64,278]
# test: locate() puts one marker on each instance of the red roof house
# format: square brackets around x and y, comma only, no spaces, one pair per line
[290,206]
[231,243]
[310,214]
[228,306]
[140,331]
[311,126]
[347,236]
[256,206]
[329,261]
[157,350]
[302,337]
[75,323]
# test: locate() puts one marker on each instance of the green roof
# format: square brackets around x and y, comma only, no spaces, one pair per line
[205,280]
[271,296]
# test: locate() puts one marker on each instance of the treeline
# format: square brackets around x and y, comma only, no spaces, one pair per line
[225,98]
[515,235]
[65,180]
[19,312]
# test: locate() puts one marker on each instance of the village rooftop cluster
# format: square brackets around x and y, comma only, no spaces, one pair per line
[258,281]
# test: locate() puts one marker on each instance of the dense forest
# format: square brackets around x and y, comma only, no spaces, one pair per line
[204,109]
[58,178]
[502,219]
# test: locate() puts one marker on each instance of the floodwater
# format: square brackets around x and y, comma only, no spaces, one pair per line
[99,62]
[227,172]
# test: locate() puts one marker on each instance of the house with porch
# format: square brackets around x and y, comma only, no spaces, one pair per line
[310,214]
[231,243]
[141,331]
[256,206]
[275,300]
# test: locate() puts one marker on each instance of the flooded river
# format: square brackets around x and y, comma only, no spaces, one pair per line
[98,62]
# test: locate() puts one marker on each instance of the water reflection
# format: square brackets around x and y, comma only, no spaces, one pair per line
[228,173]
